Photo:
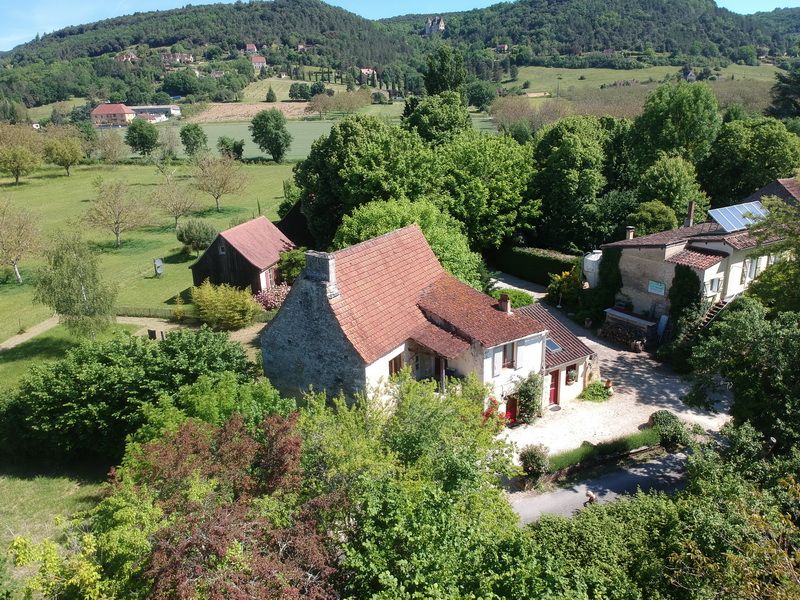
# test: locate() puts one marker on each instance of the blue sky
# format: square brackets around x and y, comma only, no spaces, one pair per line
[21,20]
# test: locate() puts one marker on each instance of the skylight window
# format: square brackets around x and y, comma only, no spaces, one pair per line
[552,346]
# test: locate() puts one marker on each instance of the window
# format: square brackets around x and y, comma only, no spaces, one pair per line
[221,247]
[509,355]
[745,269]
[714,285]
[396,364]
[752,271]
[553,346]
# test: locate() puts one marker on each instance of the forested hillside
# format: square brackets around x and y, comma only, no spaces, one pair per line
[548,27]
[342,35]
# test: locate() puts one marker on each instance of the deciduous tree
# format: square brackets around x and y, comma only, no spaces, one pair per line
[71,285]
[218,177]
[111,148]
[360,160]
[673,181]
[196,234]
[115,210]
[142,137]
[269,132]
[19,235]
[651,217]
[445,70]
[484,180]
[437,119]
[174,199]
[193,138]
[18,161]
[64,152]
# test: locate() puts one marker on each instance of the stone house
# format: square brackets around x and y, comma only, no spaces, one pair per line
[359,315]
[258,62]
[182,58]
[243,256]
[112,115]
[720,252]
[250,48]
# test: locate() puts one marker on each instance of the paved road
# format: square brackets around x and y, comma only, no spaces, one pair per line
[666,473]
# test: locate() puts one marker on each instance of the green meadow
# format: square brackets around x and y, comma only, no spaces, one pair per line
[60,202]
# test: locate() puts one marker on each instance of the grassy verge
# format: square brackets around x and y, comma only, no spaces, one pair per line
[589,452]
[46,346]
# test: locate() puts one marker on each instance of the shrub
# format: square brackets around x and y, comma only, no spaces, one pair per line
[535,460]
[529,398]
[518,297]
[565,288]
[223,306]
[273,297]
[533,264]
[671,431]
[291,263]
[196,234]
[595,392]
[179,311]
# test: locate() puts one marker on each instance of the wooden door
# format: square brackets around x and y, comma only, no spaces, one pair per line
[554,380]
[512,407]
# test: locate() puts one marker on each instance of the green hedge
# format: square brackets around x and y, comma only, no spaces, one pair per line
[591,452]
[532,264]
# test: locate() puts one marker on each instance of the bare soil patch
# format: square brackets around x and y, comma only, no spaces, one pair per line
[220,112]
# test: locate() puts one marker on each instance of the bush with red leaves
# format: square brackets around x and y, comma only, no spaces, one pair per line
[272,298]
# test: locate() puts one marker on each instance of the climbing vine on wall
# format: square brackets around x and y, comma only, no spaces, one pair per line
[529,398]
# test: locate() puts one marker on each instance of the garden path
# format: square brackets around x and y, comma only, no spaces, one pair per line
[31,332]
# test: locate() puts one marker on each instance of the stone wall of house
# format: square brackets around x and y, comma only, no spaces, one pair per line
[641,266]
[304,346]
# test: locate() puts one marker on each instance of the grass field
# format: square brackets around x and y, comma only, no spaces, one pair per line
[41,112]
[257,91]
[46,346]
[548,79]
[61,201]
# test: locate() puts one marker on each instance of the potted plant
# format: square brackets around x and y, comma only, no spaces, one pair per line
[572,376]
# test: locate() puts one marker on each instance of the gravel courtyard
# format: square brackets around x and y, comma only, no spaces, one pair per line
[641,387]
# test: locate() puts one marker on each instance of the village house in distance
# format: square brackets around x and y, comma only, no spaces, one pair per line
[359,315]
[120,115]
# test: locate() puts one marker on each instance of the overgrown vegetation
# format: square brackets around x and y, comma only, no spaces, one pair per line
[223,307]
[595,392]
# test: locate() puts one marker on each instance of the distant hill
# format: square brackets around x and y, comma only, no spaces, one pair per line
[546,27]
[341,35]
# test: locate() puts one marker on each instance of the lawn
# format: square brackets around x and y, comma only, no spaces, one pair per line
[38,113]
[303,135]
[50,345]
[60,201]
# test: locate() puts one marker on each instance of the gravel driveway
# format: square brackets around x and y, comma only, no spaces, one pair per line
[642,386]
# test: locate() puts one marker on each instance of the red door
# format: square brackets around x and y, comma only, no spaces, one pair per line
[554,387]
[511,410]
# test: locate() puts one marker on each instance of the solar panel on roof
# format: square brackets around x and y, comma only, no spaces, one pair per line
[739,216]
[552,346]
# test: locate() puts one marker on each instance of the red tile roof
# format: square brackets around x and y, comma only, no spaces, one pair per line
[666,238]
[473,314]
[390,284]
[258,60]
[697,258]
[258,241]
[112,109]
[572,348]
[250,46]
[738,240]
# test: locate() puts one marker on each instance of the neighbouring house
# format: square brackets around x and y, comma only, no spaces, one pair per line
[719,251]
[250,48]
[112,115]
[258,62]
[434,25]
[367,72]
[176,57]
[216,73]
[151,118]
[569,364]
[501,48]
[168,110]
[787,190]
[359,315]
[127,56]
[243,256]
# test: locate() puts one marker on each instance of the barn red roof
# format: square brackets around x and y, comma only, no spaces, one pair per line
[112,109]
[258,241]
[572,348]
[257,60]
[392,289]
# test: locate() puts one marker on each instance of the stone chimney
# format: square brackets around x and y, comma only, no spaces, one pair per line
[504,304]
[321,267]
[690,215]
[630,231]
